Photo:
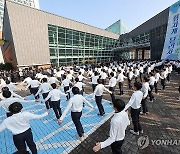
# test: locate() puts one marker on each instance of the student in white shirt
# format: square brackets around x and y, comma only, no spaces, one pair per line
[98,96]
[151,86]
[19,125]
[66,84]
[12,93]
[53,80]
[112,84]
[157,76]
[79,85]
[118,125]
[76,105]
[130,76]
[103,76]
[45,88]
[5,103]
[163,79]
[54,95]
[145,89]
[120,79]
[135,104]
[34,86]
[94,79]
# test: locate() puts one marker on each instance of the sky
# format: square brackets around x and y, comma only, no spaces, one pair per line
[103,13]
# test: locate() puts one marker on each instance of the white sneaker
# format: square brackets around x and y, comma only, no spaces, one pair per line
[133,132]
[80,139]
[141,131]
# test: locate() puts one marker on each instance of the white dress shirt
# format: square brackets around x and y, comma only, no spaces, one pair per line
[152,80]
[27,80]
[99,90]
[44,88]
[79,85]
[34,84]
[157,76]
[76,105]
[112,82]
[135,100]
[81,77]
[5,103]
[121,77]
[145,88]
[94,79]
[130,75]
[103,75]
[65,83]
[19,123]
[53,80]
[55,95]
[119,123]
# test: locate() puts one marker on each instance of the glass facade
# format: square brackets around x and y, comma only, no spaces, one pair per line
[68,46]
[118,28]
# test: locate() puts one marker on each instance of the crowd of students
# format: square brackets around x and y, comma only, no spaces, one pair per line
[142,77]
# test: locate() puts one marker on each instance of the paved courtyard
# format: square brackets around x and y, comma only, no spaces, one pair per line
[163,123]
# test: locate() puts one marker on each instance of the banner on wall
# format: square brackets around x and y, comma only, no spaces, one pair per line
[171,50]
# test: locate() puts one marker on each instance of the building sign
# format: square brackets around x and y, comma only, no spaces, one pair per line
[171,49]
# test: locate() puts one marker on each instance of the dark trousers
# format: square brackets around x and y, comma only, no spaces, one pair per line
[116,147]
[20,141]
[163,83]
[103,81]
[94,86]
[141,76]
[129,83]
[66,89]
[76,116]
[144,105]
[156,87]
[168,77]
[112,95]
[8,114]
[150,92]
[99,104]
[135,119]
[121,88]
[34,91]
[48,102]
[56,108]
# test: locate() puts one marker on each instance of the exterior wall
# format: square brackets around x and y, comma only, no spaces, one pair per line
[30,39]
[8,56]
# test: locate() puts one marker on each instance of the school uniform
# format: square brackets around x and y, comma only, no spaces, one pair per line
[19,125]
[52,80]
[112,84]
[8,101]
[65,83]
[152,80]
[135,104]
[80,86]
[130,76]
[45,88]
[76,105]
[54,95]
[34,85]
[121,82]
[94,82]
[118,125]
[144,89]
[98,97]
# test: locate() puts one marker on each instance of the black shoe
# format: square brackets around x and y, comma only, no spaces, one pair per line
[100,114]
